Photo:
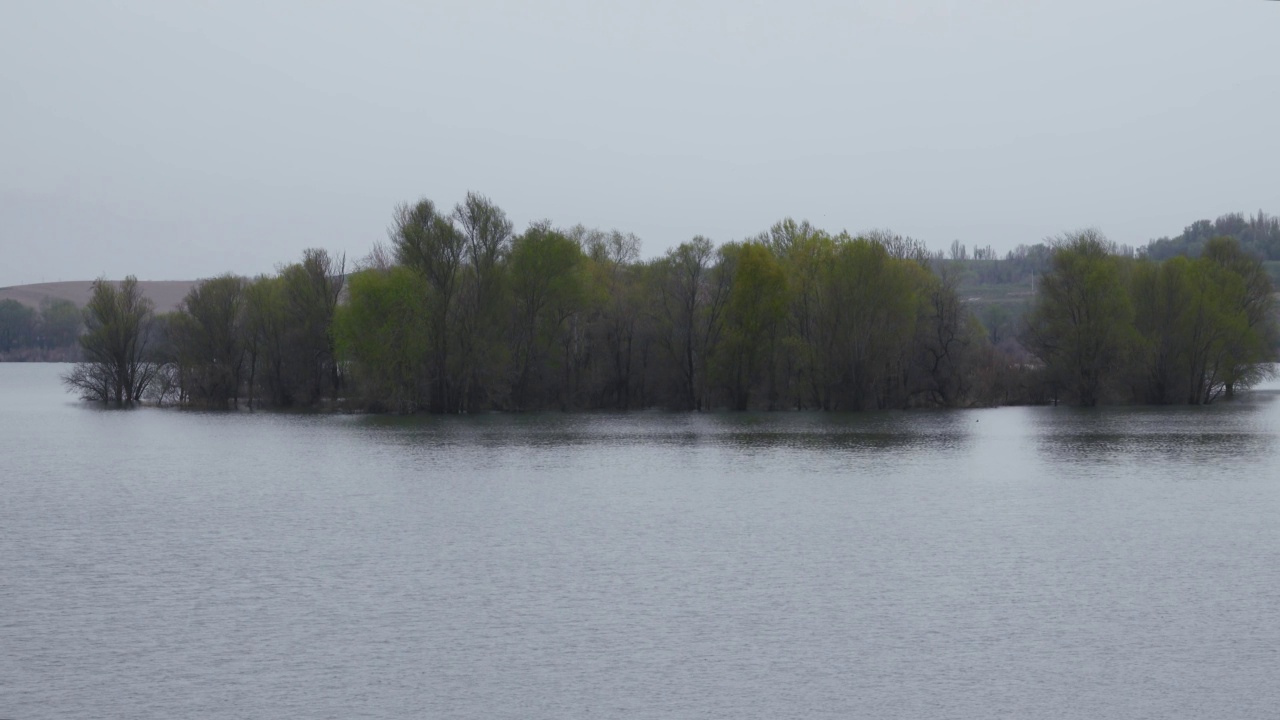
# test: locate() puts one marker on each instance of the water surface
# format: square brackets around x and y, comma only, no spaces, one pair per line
[1019,562]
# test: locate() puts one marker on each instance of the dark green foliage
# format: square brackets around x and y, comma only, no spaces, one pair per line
[871,308]
[1083,318]
[482,300]
[17,325]
[207,335]
[308,294]
[60,323]
[1111,329]
[264,340]
[692,285]
[951,347]
[617,324]
[48,333]
[268,340]
[548,291]
[1257,236]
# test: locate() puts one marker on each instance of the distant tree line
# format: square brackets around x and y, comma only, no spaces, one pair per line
[1258,235]
[1000,289]
[45,333]
[458,313]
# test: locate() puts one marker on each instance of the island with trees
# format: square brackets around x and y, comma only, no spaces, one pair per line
[459,313]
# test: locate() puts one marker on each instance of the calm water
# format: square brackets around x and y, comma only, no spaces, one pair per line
[1022,563]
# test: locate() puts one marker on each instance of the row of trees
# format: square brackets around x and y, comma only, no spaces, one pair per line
[1110,328]
[29,332]
[1258,235]
[264,341]
[267,341]
[459,313]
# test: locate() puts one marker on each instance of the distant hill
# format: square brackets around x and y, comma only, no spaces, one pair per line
[166,294]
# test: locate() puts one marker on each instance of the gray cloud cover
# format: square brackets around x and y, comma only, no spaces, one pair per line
[180,140]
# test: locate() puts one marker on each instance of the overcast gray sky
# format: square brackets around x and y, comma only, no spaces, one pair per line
[176,140]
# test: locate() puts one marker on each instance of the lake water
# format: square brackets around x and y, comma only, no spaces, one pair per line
[1019,562]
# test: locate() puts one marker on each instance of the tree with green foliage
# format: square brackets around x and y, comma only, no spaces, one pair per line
[1162,299]
[482,324]
[1187,322]
[458,314]
[430,244]
[208,336]
[618,323]
[803,374]
[264,332]
[116,367]
[1252,348]
[870,317]
[949,343]
[692,289]
[1081,324]
[548,286]
[309,293]
[753,317]
[784,234]
[382,331]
